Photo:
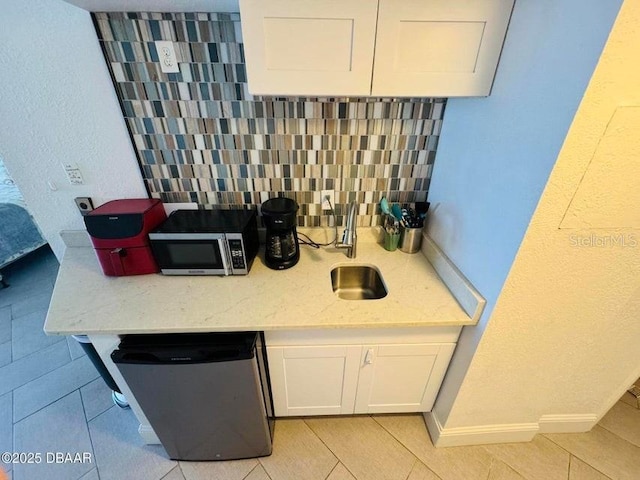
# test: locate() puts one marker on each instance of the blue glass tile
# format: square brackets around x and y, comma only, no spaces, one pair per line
[192,32]
[154,25]
[153,53]
[213,52]
[149,157]
[128,52]
[241,75]
[157,109]
[128,72]
[167,158]
[117,29]
[164,91]
[204,92]
[237,122]
[128,109]
[172,125]
[241,48]
[235,107]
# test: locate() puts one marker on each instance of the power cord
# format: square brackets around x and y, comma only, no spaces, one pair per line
[313,244]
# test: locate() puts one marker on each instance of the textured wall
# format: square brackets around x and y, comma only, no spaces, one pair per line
[562,337]
[201,137]
[60,108]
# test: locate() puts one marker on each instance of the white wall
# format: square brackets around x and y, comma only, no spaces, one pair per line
[495,154]
[57,103]
[561,345]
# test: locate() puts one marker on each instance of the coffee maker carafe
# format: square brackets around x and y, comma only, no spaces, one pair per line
[281,246]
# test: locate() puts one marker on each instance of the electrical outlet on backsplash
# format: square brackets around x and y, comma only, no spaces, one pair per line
[201,137]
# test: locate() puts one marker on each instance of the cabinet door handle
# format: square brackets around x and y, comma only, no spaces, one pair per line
[368,358]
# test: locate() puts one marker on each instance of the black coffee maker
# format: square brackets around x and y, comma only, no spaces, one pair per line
[281,246]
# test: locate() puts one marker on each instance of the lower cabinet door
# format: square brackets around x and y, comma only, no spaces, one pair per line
[314,380]
[401,378]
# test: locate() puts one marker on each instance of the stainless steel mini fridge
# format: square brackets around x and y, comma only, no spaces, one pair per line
[207,396]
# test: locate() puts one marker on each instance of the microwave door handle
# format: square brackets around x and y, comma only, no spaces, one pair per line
[116,260]
[224,255]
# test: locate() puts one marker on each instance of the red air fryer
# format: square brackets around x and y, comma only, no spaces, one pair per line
[119,233]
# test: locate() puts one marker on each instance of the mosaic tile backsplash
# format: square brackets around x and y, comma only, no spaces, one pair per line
[201,137]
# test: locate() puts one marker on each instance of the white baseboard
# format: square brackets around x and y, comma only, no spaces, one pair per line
[567,423]
[148,435]
[479,435]
[506,433]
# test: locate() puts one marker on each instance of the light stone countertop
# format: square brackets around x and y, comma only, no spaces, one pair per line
[85,301]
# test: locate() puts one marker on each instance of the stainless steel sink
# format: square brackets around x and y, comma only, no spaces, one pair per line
[358,282]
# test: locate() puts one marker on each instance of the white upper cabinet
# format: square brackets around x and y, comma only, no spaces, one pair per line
[421,48]
[439,48]
[309,47]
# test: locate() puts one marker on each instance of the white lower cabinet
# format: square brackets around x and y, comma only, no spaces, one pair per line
[401,378]
[312,379]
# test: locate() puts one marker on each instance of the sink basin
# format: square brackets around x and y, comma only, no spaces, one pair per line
[357,282]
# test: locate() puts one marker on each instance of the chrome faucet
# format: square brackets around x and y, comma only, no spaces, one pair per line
[349,237]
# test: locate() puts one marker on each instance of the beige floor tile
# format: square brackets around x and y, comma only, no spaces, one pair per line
[231,470]
[119,449]
[297,453]
[364,447]
[630,400]
[581,471]
[340,473]
[91,475]
[604,451]
[421,472]
[539,459]
[452,463]
[258,473]
[624,421]
[175,474]
[502,471]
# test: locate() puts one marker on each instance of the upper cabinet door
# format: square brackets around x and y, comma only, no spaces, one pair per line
[438,48]
[309,47]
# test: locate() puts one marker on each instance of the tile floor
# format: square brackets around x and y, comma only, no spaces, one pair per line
[51,400]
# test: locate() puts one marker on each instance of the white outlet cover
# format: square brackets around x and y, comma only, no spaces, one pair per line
[325,204]
[167,57]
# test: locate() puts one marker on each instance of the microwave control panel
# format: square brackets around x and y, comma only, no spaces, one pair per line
[237,254]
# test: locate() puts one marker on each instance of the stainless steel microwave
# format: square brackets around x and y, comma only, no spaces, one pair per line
[206,242]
